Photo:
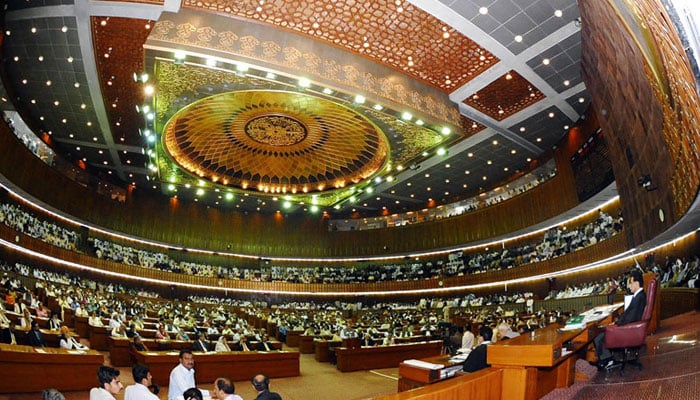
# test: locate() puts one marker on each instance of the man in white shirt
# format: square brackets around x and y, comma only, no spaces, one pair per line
[182,376]
[467,338]
[139,390]
[110,385]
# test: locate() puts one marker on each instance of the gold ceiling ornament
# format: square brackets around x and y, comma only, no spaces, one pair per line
[340,72]
[275,142]
[389,32]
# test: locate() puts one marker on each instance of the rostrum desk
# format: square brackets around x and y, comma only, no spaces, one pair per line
[534,365]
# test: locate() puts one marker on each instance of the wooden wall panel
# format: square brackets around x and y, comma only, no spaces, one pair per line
[644,93]
[191,225]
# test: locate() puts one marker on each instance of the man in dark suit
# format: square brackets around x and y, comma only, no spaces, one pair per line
[633,313]
[261,384]
[199,343]
[34,337]
[477,357]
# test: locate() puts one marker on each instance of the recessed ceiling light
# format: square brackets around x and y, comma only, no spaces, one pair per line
[566,126]
[495,142]
[551,115]
[304,82]
[513,151]
[40,58]
[33,30]
[489,162]
[539,139]
[64,29]
[581,99]
[545,61]
[518,38]
[522,129]
[360,99]
[76,84]
[558,13]
[567,83]
[483,10]
[16,58]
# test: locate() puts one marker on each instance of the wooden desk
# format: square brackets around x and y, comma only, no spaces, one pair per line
[322,352]
[411,377]
[98,337]
[81,326]
[480,385]
[23,369]
[293,338]
[364,358]
[535,365]
[306,344]
[237,365]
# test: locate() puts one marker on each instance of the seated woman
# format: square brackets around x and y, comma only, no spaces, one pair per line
[26,320]
[161,333]
[222,345]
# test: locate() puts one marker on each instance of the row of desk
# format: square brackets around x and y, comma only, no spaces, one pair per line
[26,369]
[120,353]
[238,365]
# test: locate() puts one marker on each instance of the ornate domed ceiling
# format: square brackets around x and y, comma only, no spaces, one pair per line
[449,97]
[277,142]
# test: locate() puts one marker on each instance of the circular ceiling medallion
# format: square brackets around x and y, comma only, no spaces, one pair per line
[275,142]
[275,130]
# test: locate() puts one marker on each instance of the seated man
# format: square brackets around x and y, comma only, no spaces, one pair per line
[633,313]
[477,357]
[34,337]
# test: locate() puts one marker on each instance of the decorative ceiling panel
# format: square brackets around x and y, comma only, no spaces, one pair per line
[275,142]
[117,60]
[394,33]
[505,96]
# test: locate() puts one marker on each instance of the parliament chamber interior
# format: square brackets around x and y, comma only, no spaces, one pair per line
[391,200]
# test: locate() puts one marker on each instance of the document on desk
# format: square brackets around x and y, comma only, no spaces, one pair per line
[423,364]
[600,312]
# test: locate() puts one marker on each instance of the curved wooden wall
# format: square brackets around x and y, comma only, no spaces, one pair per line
[602,250]
[151,216]
[644,92]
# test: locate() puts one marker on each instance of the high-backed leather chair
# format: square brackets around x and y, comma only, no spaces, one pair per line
[629,338]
